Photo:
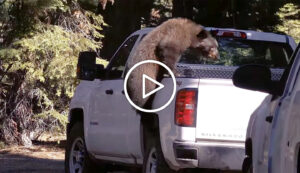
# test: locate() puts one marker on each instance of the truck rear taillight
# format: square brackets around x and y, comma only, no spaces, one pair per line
[185,108]
[234,34]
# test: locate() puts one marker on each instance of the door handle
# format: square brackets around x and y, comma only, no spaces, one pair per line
[109,92]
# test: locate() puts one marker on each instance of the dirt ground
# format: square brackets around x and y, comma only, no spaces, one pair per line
[45,156]
[35,159]
[41,158]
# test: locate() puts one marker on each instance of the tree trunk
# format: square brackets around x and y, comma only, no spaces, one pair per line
[123,18]
[183,8]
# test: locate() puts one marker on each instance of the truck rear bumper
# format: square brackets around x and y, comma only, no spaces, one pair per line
[213,155]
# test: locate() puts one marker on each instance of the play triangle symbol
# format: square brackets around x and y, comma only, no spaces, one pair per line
[160,86]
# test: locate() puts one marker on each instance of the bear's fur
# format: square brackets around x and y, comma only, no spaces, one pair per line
[166,43]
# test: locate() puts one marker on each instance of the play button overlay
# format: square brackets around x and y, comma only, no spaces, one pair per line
[160,87]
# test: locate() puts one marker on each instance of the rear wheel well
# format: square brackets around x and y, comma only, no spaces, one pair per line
[150,127]
[76,115]
[248,147]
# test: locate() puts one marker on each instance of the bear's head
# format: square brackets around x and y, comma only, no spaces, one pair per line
[206,44]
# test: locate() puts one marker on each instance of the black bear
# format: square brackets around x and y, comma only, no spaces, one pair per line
[166,43]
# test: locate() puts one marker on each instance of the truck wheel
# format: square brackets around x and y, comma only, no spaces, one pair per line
[154,161]
[298,162]
[77,159]
[247,165]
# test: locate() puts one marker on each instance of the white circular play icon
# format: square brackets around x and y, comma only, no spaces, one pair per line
[147,78]
[160,86]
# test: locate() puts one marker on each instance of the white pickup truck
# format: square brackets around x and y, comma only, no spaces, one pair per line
[273,138]
[104,127]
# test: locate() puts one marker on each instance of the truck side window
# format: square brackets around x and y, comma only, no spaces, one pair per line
[118,62]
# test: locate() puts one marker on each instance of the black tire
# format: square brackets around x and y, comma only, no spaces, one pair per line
[153,150]
[75,145]
[247,165]
[298,162]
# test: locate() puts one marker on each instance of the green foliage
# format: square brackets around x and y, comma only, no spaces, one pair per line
[42,44]
[165,7]
[102,61]
[41,5]
[59,119]
[289,16]
[50,57]
[161,11]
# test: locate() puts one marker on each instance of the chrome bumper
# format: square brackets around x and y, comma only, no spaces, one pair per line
[213,155]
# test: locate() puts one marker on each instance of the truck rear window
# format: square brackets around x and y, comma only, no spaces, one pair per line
[236,52]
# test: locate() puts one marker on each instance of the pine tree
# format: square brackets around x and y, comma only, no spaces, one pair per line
[38,60]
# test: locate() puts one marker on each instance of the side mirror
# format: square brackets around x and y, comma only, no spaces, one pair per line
[253,77]
[87,69]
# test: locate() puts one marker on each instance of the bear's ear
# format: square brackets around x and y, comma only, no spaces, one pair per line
[202,34]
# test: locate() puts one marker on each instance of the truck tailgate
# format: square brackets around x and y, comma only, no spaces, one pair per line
[224,110]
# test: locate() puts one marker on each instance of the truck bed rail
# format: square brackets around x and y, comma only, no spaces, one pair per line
[215,71]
